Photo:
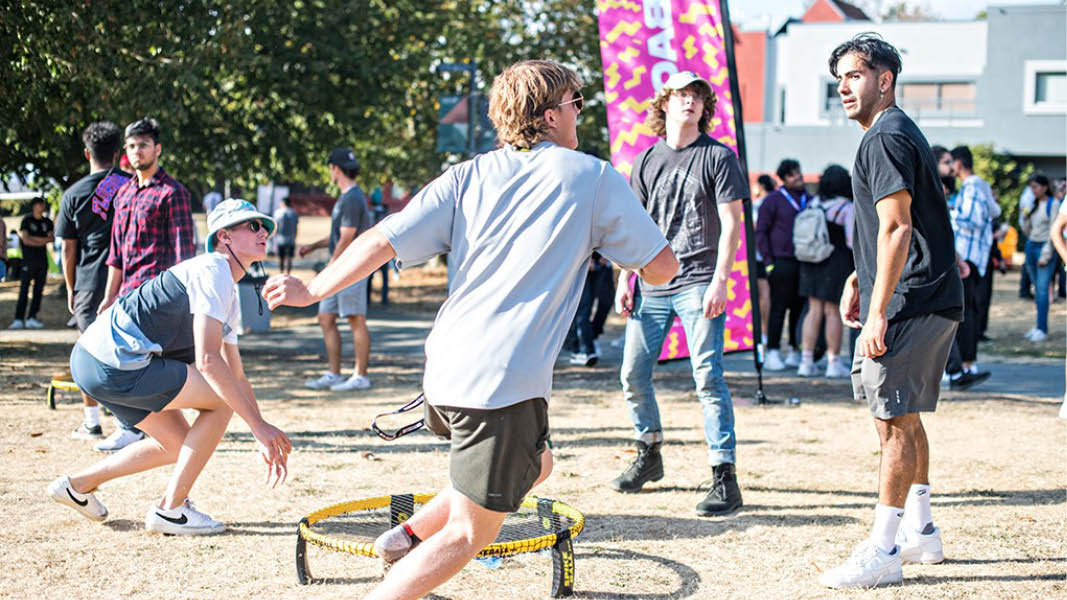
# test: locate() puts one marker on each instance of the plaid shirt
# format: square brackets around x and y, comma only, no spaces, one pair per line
[972,220]
[152,230]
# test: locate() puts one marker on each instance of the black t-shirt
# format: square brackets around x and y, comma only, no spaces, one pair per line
[680,189]
[893,156]
[35,255]
[85,214]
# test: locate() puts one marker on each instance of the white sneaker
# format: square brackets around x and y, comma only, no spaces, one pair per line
[355,382]
[869,566]
[806,369]
[792,359]
[119,439]
[581,359]
[1038,336]
[86,504]
[84,432]
[325,381]
[918,547]
[773,362]
[17,324]
[33,323]
[837,370]
[184,520]
[1030,333]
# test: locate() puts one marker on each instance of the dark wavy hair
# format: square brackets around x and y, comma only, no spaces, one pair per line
[787,166]
[875,52]
[103,140]
[145,126]
[835,182]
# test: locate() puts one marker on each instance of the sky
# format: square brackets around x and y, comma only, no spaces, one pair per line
[769,14]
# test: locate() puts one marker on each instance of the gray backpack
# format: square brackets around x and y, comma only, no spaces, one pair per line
[811,236]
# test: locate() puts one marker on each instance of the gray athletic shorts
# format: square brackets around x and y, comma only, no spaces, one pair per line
[496,453]
[907,378]
[348,302]
[129,395]
[85,304]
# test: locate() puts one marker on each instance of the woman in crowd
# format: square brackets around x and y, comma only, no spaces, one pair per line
[1036,223]
[822,283]
[763,186]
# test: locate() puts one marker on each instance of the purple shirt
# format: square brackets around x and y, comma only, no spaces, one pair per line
[774,227]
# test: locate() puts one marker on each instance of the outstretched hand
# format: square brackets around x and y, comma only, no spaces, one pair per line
[274,447]
[286,290]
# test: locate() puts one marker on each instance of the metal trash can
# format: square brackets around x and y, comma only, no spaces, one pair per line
[252,304]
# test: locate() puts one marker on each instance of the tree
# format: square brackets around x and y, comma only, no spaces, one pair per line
[1006,175]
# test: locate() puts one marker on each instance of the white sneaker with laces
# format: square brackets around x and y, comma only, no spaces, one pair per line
[17,324]
[806,369]
[324,381]
[837,370]
[869,566]
[918,547]
[793,358]
[773,362]
[33,323]
[1038,336]
[119,439]
[183,520]
[87,504]
[355,382]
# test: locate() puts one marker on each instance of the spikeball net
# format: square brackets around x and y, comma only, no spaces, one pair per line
[352,527]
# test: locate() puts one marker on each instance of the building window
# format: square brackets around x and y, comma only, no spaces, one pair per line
[937,97]
[1045,87]
[832,100]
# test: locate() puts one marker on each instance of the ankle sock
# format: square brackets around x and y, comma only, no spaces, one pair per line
[92,415]
[917,515]
[807,357]
[886,522]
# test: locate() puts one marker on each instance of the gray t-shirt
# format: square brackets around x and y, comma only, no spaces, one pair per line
[287,220]
[680,189]
[520,227]
[349,211]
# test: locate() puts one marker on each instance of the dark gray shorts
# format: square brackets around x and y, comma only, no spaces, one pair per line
[496,453]
[85,304]
[130,395]
[907,378]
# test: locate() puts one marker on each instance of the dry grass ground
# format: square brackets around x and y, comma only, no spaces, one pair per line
[807,473]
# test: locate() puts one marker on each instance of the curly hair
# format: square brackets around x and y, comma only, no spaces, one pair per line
[656,120]
[521,95]
[103,140]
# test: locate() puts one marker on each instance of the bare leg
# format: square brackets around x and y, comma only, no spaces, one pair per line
[764,303]
[922,456]
[332,338]
[360,342]
[167,430]
[898,466]
[834,328]
[812,323]
[87,400]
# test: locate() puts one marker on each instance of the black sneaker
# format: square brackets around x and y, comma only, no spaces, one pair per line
[967,380]
[724,497]
[648,466]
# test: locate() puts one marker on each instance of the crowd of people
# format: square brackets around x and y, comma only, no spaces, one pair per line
[530,229]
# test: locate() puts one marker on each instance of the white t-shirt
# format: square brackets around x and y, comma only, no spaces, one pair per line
[519,227]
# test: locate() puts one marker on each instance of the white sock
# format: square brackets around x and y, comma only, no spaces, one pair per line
[92,415]
[917,509]
[886,522]
[807,357]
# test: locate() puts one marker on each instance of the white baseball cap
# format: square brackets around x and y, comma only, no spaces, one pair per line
[683,78]
[234,211]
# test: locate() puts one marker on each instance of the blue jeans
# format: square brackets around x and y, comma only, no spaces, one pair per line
[645,332]
[1042,277]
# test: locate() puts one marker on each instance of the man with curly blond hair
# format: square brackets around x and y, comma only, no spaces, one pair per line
[520,224]
[692,186]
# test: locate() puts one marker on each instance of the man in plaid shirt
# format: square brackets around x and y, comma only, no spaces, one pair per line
[151,232]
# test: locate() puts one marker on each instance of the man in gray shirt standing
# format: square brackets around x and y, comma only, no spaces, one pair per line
[349,219]
[692,187]
[520,224]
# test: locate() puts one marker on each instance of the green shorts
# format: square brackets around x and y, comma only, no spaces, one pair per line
[496,453]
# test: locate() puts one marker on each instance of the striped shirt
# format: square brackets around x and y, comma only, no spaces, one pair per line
[972,222]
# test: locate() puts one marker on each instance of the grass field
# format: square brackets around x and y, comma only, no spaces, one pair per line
[807,474]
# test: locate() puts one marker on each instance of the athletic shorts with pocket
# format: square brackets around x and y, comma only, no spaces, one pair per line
[496,453]
[129,395]
[348,302]
[907,378]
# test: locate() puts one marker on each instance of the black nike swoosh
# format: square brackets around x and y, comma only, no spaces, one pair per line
[181,521]
[80,502]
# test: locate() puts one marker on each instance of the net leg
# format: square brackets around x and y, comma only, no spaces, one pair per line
[51,398]
[303,570]
[563,568]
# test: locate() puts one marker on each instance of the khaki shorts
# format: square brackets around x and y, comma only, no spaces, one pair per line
[496,453]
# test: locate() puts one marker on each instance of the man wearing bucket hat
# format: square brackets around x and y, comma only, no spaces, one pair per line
[171,344]
[692,186]
[350,217]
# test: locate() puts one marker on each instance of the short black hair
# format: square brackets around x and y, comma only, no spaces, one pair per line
[766,182]
[875,52]
[963,154]
[349,173]
[938,151]
[1041,179]
[786,167]
[38,200]
[835,182]
[102,139]
[146,126]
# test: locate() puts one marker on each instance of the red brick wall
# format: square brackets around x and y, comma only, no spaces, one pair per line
[822,12]
[750,52]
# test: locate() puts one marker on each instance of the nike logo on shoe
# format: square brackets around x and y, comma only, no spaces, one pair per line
[182,521]
[80,502]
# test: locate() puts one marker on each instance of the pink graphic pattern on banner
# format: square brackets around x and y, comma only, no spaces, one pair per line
[642,43]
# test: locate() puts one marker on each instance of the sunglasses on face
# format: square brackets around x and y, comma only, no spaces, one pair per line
[577,100]
[253,226]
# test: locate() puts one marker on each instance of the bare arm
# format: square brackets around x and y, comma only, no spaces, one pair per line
[894,236]
[661,269]
[70,256]
[1056,236]
[347,235]
[111,292]
[730,237]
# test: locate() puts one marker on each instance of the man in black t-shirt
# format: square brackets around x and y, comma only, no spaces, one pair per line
[84,225]
[36,232]
[692,187]
[907,296]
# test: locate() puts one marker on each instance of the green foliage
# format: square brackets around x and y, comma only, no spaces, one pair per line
[1005,174]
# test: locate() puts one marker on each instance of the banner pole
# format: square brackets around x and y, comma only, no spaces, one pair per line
[750,234]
